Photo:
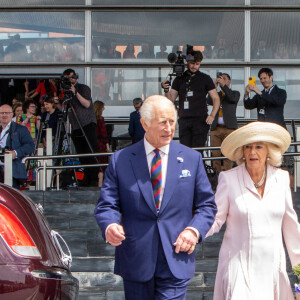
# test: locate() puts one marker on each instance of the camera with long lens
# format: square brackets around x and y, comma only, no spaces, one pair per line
[178,60]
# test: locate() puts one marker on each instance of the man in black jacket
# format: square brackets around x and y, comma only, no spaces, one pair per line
[269,102]
[225,120]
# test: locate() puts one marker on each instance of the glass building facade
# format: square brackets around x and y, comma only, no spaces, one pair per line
[120,47]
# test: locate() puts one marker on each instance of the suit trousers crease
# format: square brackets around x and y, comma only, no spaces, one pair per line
[162,286]
[216,138]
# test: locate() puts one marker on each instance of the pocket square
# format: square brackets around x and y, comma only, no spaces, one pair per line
[185,173]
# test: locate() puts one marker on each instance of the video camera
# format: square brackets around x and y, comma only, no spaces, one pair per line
[178,60]
[66,85]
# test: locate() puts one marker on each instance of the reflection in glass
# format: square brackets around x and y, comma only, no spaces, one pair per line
[275,35]
[42,37]
[41,2]
[169,2]
[117,87]
[153,35]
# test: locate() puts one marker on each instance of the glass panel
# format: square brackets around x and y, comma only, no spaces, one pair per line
[169,2]
[274,2]
[117,87]
[41,2]
[149,35]
[42,36]
[289,80]
[279,41]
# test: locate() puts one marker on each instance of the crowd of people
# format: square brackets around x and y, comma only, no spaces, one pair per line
[222,49]
[61,50]
[42,50]
[156,203]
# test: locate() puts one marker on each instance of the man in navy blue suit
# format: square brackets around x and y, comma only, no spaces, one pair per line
[135,129]
[269,102]
[15,139]
[155,240]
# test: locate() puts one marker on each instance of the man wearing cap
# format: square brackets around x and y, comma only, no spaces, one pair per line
[155,204]
[269,102]
[254,199]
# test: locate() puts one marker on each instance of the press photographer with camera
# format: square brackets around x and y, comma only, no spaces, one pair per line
[83,121]
[14,139]
[225,121]
[192,87]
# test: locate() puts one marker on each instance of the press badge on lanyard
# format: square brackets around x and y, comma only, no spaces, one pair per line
[186,102]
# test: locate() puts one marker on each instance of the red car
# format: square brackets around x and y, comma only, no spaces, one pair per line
[34,261]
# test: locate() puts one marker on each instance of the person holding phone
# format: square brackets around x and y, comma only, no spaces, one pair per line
[269,102]
[225,120]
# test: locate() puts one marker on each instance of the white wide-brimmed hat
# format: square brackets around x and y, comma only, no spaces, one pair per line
[253,133]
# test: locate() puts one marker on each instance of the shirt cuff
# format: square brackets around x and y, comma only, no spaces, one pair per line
[107,229]
[16,153]
[246,98]
[195,230]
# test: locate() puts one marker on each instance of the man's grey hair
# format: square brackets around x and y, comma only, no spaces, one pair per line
[147,111]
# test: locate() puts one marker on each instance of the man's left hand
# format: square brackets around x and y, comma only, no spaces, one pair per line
[12,152]
[209,119]
[220,80]
[186,241]
[72,89]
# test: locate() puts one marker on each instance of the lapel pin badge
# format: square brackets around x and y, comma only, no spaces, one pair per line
[179,159]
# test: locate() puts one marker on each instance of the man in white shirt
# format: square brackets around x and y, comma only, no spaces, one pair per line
[155,204]
[14,139]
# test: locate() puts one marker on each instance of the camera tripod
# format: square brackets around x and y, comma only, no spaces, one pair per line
[63,138]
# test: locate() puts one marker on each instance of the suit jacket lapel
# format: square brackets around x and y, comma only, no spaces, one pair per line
[173,173]
[141,172]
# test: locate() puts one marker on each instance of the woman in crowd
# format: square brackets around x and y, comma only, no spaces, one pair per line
[254,199]
[50,117]
[103,145]
[17,110]
[29,119]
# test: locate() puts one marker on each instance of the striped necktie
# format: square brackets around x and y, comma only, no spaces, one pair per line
[156,177]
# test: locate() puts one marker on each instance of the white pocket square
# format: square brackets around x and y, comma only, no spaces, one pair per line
[185,173]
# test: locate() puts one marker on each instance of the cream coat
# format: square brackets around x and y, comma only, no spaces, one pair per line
[252,263]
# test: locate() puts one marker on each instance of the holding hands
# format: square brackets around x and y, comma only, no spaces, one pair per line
[186,241]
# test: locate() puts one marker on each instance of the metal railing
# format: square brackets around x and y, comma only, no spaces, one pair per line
[44,159]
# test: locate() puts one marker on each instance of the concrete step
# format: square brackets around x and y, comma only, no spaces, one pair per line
[72,214]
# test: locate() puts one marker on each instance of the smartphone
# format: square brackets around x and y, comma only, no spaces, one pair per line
[219,74]
[251,80]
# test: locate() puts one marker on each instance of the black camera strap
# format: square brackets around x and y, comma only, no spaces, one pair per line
[189,77]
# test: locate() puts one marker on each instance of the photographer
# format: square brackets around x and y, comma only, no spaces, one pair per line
[14,139]
[192,88]
[225,120]
[81,102]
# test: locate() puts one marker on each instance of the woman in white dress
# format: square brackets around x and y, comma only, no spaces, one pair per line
[254,199]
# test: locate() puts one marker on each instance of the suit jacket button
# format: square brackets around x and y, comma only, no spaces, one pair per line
[158,219]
